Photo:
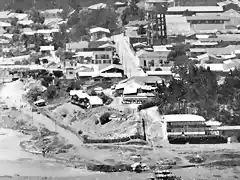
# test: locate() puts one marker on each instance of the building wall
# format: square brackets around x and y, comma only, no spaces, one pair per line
[152,61]
[102,57]
[98,35]
[231,133]
[207,21]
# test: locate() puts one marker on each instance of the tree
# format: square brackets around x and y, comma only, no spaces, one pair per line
[188,13]
[106,18]
[44,61]
[14,21]
[51,92]
[60,38]
[36,16]
[60,53]
[58,74]
[33,93]
[141,30]
[116,61]
[105,118]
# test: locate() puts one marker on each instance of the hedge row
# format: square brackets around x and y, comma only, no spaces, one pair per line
[118,140]
[146,105]
[197,139]
[108,168]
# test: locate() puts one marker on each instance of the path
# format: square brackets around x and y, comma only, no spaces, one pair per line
[11,98]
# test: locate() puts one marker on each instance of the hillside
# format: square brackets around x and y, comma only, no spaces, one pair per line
[48,4]
[51,4]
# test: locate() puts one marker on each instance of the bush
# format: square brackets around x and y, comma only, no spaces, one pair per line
[58,74]
[80,132]
[93,93]
[105,118]
[108,168]
[147,104]
[96,122]
[118,140]
[44,61]
[33,93]
[158,69]
[51,92]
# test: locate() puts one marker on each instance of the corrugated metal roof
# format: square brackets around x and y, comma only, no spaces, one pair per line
[110,75]
[98,6]
[159,73]
[183,117]
[46,48]
[146,54]
[211,27]
[4,14]
[196,18]
[95,100]
[99,29]
[198,50]
[182,28]
[196,9]
[131,88]
[220,51]
[228,128]
[84,54]
[4,24]
[77,45]
[111,67]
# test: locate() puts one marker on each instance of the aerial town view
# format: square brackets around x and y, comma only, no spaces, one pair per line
[120,89]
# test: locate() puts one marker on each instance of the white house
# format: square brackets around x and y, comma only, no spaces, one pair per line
[99,33]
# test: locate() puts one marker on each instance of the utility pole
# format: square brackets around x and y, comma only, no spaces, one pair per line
[144,130]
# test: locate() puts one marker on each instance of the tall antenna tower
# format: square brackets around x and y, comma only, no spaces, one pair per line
[155,15]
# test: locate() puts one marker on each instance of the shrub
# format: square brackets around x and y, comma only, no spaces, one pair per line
[96,122]
[44,61]
[51,92]
[117,140]
[17,63]
[58,74]
[80,132]
[33,93]
[158,69]
[93,93]
[105,118]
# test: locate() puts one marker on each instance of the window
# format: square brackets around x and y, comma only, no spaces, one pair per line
[104,62]
[144,63]
[102,56]
[96,56]
[152,63]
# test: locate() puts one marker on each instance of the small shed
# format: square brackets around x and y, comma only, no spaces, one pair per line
[95,101]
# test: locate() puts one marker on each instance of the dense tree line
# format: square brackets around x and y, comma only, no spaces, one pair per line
[84,20]
[200,91]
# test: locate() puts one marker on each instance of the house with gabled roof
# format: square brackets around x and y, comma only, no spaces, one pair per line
[99,33]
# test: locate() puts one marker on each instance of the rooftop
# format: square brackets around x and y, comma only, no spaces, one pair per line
[197,18]
[183,117]
[99,29]
[98,6]
[196,9]
[144,54]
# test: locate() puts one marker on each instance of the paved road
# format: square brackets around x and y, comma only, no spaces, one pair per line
[128,59]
